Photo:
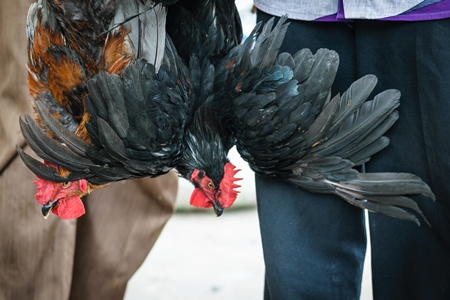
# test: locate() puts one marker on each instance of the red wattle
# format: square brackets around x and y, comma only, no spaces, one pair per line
[70,208]
[199,199]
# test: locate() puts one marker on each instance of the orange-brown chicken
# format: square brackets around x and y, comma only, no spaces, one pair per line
[76,48]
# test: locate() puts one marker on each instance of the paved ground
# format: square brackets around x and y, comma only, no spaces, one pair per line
[202,257]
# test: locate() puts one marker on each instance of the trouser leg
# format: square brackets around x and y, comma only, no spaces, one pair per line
[314,245]
[36,255]
[410,262]
[121,225]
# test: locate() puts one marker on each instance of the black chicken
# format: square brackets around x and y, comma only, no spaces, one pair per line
[204,32]
[113,100]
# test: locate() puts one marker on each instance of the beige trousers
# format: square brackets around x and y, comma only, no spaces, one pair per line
[89,258]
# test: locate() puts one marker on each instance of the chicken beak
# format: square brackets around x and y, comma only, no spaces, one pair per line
[218,209]
[47,208]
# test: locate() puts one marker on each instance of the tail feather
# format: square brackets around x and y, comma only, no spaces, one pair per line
[147,35]
[34,145]
[111,142]
[386,184]
[400,201]
[354,97]
[111,104]
[362,155]
[268,43]
[76,144]
[49,149]
[370,114]
[357,126]
[366,146]
[47,172]
[389,210]
[304,60]
[384,193]
[321,126]
[378,192]
[315,89]
[285,59]
[388,204]
[318,84]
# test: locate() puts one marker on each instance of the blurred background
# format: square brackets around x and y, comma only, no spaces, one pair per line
[199,256]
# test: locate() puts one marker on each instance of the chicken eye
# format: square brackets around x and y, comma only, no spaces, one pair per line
[66,184]
[210,185]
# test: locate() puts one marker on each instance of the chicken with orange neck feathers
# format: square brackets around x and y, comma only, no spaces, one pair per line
[102,94]
[60,61]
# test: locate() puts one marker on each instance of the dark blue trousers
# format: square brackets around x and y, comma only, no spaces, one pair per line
[314,245]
